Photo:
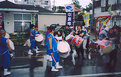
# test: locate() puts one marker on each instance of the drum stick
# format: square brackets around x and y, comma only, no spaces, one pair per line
[53,58]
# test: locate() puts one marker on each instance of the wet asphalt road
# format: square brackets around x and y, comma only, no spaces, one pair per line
[24,65]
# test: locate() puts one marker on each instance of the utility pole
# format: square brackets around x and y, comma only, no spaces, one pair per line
[92,26]
[74,14]
[54,7]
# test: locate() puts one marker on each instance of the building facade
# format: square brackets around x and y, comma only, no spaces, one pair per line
[101,8]
[42,3]
[15,18]
[47,19]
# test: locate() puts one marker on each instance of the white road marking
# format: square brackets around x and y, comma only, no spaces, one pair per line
[98,74]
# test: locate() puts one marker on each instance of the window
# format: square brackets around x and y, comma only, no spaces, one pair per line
[119,1]
[103,3]
[21,22]
[111,2]
[21,26]
[97,4]
[18,17]
[46,2]
[25,0]
[26,16]
[17,26]
[25,26]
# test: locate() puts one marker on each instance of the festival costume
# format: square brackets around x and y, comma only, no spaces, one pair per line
[32,41]
[4,56]
[55,56]
[80,49]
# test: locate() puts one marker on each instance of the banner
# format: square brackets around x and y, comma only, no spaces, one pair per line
[107,22]
[86,19]
[69,18]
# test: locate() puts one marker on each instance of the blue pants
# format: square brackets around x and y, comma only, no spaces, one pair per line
[48,53]
[33,44]
[5,60]
[56,57]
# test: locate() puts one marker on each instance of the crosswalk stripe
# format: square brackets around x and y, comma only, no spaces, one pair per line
[98,74]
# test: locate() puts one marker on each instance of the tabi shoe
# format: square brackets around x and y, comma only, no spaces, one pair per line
[6,72]
[89,56]
[54,69]
[30,53]
[58,66]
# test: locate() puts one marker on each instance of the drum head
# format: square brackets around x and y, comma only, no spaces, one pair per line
[39,38]
[63,47]
[107,49]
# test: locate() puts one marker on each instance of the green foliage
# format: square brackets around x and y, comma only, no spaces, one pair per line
[61,9]
[88,7]
[18,39]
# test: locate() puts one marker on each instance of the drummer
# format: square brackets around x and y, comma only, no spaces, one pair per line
[4,52]
[36,30]
[66,31]
[48,57]
[52,46]
[37,33]
[115,43]
[60,32]
[81,33]
[32,39]
[103,34]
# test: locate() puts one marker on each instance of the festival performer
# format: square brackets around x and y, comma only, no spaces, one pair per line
[8,37]
[60,32]
[48,57]
[4,52]
[66,31]
[52,45]
[81,33]
[86,41]
[37,33]
[115,43]
[32,39]
[103,34]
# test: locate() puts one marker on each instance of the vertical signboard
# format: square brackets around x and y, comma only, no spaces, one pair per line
[69,14]
[69,18]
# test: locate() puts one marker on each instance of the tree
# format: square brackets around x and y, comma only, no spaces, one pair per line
[77,5]
[88,7]
[61,9]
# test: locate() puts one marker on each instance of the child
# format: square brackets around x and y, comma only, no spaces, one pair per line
[52,47]
[32,39]
[36,34]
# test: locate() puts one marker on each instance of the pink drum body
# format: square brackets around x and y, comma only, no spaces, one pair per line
[69,39]
[106,46]
[77,41]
